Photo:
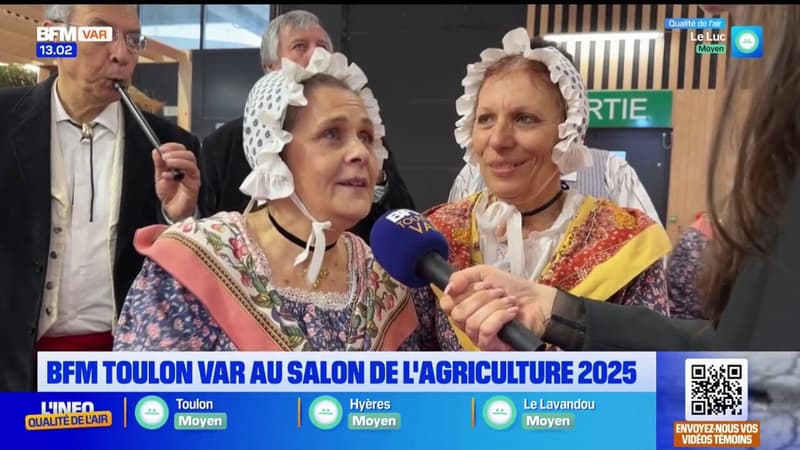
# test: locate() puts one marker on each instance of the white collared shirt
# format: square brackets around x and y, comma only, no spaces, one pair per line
[79,293]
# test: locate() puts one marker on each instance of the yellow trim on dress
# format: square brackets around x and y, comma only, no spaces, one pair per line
[604,280]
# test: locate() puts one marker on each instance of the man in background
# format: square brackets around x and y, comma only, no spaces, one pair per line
[294,35]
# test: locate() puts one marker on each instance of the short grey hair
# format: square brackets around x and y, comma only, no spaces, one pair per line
[58,13]
[62,13]
[299,19]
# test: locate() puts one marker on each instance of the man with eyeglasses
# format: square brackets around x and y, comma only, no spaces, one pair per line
[79,177]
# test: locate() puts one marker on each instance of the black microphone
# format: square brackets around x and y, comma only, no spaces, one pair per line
[437,270]
[415,253]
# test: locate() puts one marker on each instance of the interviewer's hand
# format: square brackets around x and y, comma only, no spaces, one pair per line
[481,299]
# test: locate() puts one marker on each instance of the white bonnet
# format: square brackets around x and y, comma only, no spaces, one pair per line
[264,136]
[570,153]
[264,113]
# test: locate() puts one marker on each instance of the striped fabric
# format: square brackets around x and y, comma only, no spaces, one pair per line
[592,180]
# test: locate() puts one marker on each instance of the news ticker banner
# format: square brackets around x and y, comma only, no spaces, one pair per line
[238,400]
[346,372]
[298,400]
[386,420]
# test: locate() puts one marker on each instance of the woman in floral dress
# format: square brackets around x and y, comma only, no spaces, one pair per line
[249,281]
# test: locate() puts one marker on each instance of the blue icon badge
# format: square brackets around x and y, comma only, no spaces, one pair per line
[747,41]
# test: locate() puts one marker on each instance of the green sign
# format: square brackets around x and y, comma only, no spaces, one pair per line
[201,421]
[630,109]
[712,49]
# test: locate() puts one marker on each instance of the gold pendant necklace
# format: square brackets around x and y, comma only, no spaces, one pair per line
[323,273]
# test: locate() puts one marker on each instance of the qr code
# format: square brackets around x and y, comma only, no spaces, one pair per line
[716,389]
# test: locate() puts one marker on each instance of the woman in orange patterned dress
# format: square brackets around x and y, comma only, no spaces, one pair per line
[524,115]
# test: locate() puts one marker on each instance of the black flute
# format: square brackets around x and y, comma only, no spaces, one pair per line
[177,175]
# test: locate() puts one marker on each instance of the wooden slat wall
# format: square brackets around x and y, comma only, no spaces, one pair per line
[667,63]
[694,121]
[697,82]
[691,148]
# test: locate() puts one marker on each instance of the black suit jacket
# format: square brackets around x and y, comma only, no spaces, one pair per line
[25,228]
[224,168]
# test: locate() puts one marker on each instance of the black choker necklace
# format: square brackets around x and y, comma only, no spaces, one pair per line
[292,238]
[533,212]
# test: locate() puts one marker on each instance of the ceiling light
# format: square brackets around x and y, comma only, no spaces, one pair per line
[621,36]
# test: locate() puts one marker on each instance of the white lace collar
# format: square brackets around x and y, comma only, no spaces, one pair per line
[523,256]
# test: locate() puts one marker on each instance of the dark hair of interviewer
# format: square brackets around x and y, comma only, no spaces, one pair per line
[761,115]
